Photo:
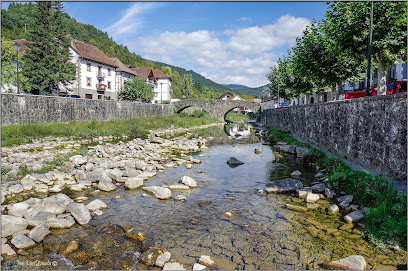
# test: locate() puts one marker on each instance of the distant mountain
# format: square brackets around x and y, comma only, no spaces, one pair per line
[234,86]
[256,92]
[196,77]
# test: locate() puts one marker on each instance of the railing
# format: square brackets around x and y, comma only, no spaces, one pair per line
[101,75]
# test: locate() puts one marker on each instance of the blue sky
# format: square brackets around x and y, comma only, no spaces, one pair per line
[227,42]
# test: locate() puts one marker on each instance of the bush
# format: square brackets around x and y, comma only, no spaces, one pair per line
[313,155]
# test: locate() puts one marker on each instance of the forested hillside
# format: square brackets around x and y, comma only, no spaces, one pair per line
[18,18]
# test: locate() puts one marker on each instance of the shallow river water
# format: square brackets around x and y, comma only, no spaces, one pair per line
[262,234]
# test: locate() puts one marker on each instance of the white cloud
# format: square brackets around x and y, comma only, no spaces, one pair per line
[131,21]
[245,19]
[256,40]
[243,57]
[202,48]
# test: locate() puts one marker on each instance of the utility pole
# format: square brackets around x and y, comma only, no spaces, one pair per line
[370,37]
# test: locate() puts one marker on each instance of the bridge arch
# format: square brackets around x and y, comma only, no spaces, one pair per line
[216,108]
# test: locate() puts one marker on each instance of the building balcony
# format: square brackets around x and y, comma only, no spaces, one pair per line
[100,87]
[100,75]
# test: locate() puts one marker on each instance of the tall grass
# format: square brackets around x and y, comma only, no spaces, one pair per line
[26,133]
[233,116]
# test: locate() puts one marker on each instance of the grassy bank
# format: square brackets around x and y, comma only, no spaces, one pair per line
[22,134]
[236,117]
[386,217]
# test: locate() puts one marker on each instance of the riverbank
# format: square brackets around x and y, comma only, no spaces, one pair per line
[385,208]
[29,133]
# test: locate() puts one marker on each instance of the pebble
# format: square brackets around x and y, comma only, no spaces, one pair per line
[334,209]
[71,247]
[173,266]
[206,260]
[228,214]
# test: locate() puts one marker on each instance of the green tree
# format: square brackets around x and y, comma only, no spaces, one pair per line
[137,89]
[8,67]
[347,25]
[46,60]
[166,70]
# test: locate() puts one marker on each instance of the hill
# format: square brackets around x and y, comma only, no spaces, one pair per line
[234,86]
[197,78]
[18,16]
[255,92]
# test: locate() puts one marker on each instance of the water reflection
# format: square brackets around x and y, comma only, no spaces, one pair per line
[241,130]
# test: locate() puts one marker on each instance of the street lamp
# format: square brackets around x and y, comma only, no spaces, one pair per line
[17,47]
[161,94]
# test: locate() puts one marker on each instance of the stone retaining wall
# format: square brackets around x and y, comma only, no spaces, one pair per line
[370,131]
[22,109]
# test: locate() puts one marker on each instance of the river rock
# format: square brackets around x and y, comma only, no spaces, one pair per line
[19,209]
[329,193]
[56,204]
[7,250]
[189,166]
[98,174]
[133,183]
[106,186]
[78,160]
[115,174]
[159,192]
[283,185]
[28,182]
[296,208]
[319,176]
[22,241]
[80,212]
[300,151]
[206,260]
[334,209]
[40,218]
[344,204]
[301,193]
[312,198]
[234,162]
[348,198]
[163,259]
[177,186]
[296,174]
[180,198]
[355,216]
[15,189]
[61,222]
[318,187]
[257,151]
[141,165]
[12,224]
[80,175]
[150,256]
[131,172]
[353,262]
[71,247]
[173,266]
[96,205]
[39,232]
[187,180]
[198,266]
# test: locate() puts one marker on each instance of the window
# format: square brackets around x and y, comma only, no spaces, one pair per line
[109,72]
[109,85]
[88,96]
[88,67]
[99,97]
[88,81]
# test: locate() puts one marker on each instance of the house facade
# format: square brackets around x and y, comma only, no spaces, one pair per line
[95,72]
[123,74]
[145,74]
[162,90]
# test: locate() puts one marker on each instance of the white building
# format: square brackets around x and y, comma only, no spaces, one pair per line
[95,72]
[123,74]
[162,90]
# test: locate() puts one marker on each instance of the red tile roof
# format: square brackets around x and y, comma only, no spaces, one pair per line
[233,97]
[91,52]
[122,67]
[225,94]
[142,73]
[158,74]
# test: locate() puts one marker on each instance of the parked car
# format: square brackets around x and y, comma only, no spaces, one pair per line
[283,105]
[73,96]
[392,87]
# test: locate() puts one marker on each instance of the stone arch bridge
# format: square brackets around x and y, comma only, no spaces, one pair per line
[216,108]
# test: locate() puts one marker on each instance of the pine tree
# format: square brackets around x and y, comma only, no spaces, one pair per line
[46,61]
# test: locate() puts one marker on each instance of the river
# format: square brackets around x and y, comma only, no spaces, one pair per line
[262,234]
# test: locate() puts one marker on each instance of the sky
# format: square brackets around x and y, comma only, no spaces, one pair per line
[227,42]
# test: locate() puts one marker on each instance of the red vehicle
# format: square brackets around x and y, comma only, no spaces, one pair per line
[392,87]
